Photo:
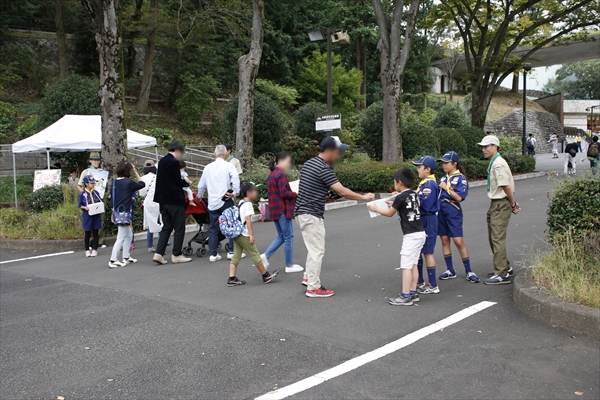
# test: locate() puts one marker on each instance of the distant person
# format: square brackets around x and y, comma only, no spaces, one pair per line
[406,204]
[315,181]
[152,218]
[94,161]
[184,175]
[169,195]
[570,165]
[554,140]
[578,141]
[91,223]
[73,178]
[282,201]
[593,154]
[530,145]
[231,158]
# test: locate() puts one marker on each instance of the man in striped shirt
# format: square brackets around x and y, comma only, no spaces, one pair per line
[316,180]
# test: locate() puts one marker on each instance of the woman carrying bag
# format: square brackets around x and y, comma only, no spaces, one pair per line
[122,190]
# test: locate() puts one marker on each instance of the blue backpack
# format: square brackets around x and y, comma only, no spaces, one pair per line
[230,222]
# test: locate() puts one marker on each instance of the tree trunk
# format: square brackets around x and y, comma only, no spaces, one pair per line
[361,65]
[131,53]
[61,38]
[392,145]
[515,83]
[248,70]
[106,19]
[479,106]
[148,60]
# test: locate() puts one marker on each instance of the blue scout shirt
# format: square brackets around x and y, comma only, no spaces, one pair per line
[457,183]
[429,195]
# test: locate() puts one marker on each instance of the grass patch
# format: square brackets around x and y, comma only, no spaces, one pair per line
[24,188]
[63,222]
[570,268]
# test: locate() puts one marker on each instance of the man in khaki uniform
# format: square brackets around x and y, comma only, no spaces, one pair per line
[500,190]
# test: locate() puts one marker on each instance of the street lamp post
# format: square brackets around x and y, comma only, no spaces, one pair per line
[526,68]
[329,77]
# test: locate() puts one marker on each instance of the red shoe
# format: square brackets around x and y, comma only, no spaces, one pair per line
[304,282]
[320,292]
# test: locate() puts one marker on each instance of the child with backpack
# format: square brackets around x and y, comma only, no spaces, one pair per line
[454,189]
[593,154]
[236,223]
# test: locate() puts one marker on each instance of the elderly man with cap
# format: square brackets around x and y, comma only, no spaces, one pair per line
[501,192]
[316,180]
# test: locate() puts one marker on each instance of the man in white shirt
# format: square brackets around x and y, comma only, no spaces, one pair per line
[218,177]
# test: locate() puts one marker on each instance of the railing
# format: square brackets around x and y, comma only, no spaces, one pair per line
[31,24]
[193,167]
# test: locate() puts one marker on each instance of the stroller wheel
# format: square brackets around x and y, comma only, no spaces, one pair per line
[226,247]
[187,251]
[201,252]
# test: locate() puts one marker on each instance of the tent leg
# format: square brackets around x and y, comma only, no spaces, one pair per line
[156,152]
[15,180]
[48,158]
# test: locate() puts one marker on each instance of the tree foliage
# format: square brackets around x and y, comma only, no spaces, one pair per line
[195,99]
[305,117]
[579,80]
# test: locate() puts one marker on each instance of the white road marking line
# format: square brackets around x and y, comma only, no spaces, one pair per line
[366,358]
[33,258]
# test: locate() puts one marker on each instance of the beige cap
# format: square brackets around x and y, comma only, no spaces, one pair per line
[489,139]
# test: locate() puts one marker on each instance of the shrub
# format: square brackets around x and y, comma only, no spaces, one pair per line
[28,128]
[195,99]
[510,145]
[574,204]
[46,198]
[24,188]
[472,135]
[475,168]
[452,115]
[371,130]
[302,149]
[284,96]
[451,140]
[8,115]
[74,95]
[27,63]
[419,140]
[70,193]
[63,222]
[163,136]
[306,116]
[369,176]
[527,164]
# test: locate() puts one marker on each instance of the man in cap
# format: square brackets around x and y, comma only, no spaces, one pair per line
[501,191]
[316,180]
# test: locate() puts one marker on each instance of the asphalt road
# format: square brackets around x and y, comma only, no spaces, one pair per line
[71,327]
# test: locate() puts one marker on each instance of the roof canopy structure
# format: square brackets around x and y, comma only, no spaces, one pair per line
[76,133]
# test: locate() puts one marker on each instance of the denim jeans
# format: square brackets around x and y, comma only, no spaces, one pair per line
[285,235]
[214,230]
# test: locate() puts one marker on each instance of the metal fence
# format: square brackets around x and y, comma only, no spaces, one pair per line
[31,24]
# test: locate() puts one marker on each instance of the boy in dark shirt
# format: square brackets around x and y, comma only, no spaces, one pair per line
[407,205]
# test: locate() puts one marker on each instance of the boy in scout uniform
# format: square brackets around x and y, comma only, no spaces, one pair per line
[500,190]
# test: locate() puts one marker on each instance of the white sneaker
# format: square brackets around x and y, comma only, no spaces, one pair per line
[230,256]
[265,260]
[214,258]
[293,268]
[87,253]
[129,260]
[180,259]
[115,264]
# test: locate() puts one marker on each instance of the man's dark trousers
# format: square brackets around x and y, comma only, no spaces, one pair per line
[173,218]
[214,230]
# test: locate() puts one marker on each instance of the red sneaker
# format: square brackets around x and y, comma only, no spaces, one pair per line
[304,282]
[320,292]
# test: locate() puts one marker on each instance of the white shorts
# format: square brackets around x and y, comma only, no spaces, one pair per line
[411,249]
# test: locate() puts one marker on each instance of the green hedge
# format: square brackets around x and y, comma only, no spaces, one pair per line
[46,198]
[574,205]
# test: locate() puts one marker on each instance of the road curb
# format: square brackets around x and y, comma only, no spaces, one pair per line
[552,310]
[340,204]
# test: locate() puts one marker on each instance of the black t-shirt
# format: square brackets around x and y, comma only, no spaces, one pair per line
[407,205]
[315,181]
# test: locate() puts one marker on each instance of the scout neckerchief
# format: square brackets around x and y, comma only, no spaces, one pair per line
[91,193]
[450,176]
[425,180]
[230,158]
[490,170]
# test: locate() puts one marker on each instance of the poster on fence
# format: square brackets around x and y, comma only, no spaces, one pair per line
[45,177]
[101,178]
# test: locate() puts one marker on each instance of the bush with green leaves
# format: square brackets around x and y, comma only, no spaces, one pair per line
[419,140]
[284,96]
[510,145]
[195,99]
[302,149]
[574,206]
[472,135]
[269,127]
[28,128]
[475,168]
[163,136]
[371,130]
[306,117]
[46,198]
[451,140]
[28,64]
[8,115]
[74,95]
[452,115]
[372,176]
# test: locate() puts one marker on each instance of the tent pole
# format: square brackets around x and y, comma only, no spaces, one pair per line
[48,158]
[156,152]
[15,179]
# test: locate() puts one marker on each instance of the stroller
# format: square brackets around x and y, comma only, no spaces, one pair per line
[200,214]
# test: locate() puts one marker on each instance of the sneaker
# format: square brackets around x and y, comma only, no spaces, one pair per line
[428,289]
[159,259]
[87,253]
[235,282]
[498,280]
[401,301]
[448,275]
[415,297]
[471,277]
[230,256]
[129,260]
[94,253]
[265,261]
[421,285]
[510,272]
[180,259]
[293,268]
[214,258]
[320,292]
[103,246]
[115,264]
[304,282]
[271,276]
[151,249]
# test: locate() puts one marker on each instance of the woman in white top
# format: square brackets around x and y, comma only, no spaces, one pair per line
[152,218]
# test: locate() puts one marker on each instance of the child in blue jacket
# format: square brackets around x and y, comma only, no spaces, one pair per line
[91,223]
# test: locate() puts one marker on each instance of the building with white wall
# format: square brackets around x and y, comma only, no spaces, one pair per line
[575,114]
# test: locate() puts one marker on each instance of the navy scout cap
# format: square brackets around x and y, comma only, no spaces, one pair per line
[427,161]
[450,156]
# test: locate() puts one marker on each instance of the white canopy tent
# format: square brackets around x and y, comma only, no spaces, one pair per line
[74,133]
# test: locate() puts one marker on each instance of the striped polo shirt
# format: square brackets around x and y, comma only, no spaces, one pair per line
[316,179]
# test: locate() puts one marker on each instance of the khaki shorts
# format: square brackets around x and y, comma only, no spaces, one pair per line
[411,249]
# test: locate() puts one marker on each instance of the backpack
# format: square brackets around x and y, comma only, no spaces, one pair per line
[593,150]
[230,222]
[529,143]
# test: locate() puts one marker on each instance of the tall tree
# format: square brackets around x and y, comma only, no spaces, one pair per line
[105,16]
[492,30]
[578,80]
[61,39]
[396,34]
[132,34]
[248,70]
[148,59]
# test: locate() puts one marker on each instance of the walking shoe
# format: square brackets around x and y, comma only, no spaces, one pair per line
[129,260]
[151,249]
[428,289]
[94,253]
[471,277]
[293,268]
[510,272]
[498,280]
[421,285]
[115,264]
[214,258]
[159,259]
[271,276]
[87,253]
[415,297]
[320,292]
[448,275]
[401,301]
[230,256]
[265,260]
[235,282]
[304,282]
[103,246]
[180,259]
